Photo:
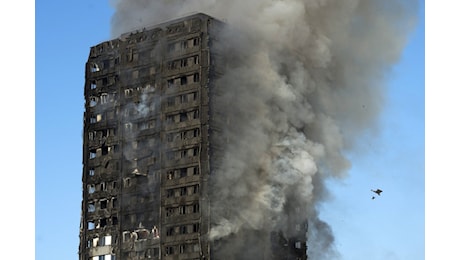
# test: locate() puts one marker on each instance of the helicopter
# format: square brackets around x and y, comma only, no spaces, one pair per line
[377,191]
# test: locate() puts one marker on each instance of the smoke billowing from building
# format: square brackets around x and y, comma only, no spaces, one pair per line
[302,80]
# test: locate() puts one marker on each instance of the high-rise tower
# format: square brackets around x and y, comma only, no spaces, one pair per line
[151,127]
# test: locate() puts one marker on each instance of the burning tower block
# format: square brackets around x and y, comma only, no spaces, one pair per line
[154,137]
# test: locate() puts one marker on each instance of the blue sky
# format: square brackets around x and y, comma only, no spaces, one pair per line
[390,227]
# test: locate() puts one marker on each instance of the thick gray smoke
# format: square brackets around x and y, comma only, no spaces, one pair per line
[305,78]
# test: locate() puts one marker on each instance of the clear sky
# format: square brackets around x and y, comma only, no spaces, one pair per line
[392,226]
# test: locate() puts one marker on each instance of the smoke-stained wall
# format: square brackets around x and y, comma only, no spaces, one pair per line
[301,81]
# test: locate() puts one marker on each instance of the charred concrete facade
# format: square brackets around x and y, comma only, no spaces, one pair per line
[149,145]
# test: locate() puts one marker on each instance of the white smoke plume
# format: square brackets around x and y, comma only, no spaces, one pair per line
[303,80]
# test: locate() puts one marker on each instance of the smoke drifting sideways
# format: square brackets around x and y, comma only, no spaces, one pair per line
[305,79]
